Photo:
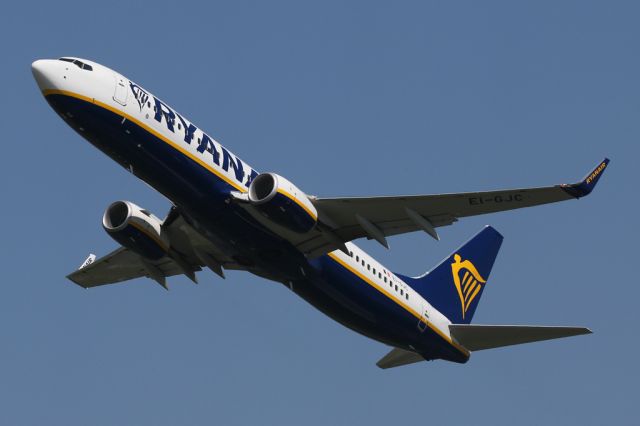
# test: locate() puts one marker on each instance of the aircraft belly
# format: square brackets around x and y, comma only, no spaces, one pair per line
[145,155]
[340,312]
[359,307]
[199,194]
[384,319]
[202,196]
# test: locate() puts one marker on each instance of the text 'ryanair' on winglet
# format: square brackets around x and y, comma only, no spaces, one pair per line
[589,182]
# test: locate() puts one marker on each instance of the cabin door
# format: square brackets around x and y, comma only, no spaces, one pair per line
[122,89]
[424,317]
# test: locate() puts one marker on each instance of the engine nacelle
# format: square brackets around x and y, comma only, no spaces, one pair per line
[136,229]
[282,202]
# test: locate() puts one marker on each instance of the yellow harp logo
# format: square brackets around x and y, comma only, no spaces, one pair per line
[467,280]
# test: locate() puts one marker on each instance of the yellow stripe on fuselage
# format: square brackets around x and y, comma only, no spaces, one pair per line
[157,134]
[295,200]
[384,291]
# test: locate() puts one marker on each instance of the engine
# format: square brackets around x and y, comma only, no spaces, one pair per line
[136,229]
[282,202]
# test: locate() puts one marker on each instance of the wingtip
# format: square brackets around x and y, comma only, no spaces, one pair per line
[588,183]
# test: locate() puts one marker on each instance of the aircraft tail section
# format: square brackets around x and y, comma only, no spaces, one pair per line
[455,286]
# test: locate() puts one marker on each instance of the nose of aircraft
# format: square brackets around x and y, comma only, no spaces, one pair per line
[42,70]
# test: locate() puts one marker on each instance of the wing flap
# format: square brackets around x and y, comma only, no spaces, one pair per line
[476,337]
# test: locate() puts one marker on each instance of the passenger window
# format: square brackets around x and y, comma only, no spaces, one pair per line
[407,296]
[368,267]
[374,271]
[401,292]
[362,262]
[385,279]
[396,288]
[379,275]
[357,258]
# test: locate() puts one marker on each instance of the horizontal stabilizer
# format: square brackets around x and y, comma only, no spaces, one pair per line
[398,357]
[476,337]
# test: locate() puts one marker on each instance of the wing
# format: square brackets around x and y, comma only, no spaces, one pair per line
[121,265]
[378,217]
[190,252]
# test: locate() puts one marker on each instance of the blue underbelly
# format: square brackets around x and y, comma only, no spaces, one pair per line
[203,198]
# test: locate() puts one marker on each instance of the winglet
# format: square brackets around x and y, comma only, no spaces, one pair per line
[88,261]
[584,188]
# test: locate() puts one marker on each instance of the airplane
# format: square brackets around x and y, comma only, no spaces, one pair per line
[225,215]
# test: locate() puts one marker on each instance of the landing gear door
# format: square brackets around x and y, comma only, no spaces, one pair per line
[122,90]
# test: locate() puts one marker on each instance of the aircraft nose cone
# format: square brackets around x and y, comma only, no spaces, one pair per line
[43,73]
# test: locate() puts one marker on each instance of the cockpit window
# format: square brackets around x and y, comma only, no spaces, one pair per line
[78,63]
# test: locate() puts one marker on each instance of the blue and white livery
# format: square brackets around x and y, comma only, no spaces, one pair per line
[228,215]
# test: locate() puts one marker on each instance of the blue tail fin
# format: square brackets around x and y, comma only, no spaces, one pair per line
[454,286]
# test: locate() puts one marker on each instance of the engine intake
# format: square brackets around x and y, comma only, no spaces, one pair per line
[283,202]
[136,229]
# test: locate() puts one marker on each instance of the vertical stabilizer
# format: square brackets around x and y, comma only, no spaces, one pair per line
[454,286]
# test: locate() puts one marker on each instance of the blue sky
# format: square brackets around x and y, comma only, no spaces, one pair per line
[343,98]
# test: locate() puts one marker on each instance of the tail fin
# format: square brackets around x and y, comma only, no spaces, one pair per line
[454,286]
